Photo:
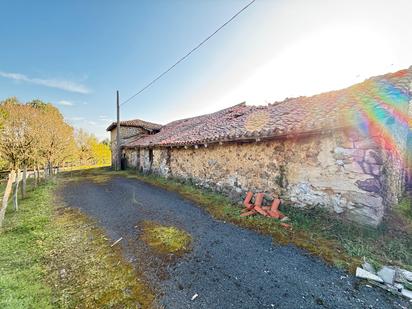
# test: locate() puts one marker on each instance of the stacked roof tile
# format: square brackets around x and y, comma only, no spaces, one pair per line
[303,115]
[136,123]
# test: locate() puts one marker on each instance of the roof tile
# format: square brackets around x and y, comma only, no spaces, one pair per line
[326,111]
[136,123]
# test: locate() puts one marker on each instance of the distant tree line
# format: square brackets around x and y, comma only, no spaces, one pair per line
[90,151]
[35,137]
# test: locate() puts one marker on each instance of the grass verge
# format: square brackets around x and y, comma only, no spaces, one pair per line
[405,208]
[165,239]
[54,257]
[338,242]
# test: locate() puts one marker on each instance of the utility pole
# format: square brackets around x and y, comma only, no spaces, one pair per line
[118,150]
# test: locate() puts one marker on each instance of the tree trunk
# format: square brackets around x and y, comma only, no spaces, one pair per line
[35,176]
[16,191]
[38,174]
[24,182]
[49,169]
[11,179]
[37,171]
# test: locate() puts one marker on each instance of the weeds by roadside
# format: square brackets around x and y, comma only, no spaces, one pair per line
[57,258]
[405,208]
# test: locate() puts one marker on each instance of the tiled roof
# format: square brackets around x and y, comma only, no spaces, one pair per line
[332,110]
[136,123]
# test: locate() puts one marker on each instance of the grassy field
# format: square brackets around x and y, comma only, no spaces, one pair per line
[341,243]
[53,257]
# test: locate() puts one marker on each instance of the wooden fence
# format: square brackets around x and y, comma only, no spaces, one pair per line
[17,181]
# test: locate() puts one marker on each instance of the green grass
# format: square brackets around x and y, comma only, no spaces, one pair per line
[21,271]
[405,208]
[53,257]
[165,239]
[85,167]
[341,243]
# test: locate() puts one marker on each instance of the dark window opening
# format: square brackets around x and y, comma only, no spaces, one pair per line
[123,162]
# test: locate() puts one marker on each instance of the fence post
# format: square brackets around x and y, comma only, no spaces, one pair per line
[24,182]
[10,180]
[38,174]
[16,191]
[35,176]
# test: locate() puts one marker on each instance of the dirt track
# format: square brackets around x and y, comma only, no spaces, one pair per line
[228,267]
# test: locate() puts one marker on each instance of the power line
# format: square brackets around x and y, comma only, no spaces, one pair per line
[188,54]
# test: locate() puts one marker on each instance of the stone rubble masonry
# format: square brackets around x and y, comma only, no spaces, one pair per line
[125,133]
[356,174]
[343,172]
[409,142]
[133,157]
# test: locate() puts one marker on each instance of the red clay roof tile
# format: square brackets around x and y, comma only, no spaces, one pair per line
[136,123]
[326,111]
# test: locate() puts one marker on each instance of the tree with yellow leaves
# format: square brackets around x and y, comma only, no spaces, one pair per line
[33,135]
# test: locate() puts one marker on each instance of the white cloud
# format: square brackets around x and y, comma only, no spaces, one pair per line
[92,123]
[65,103]
[76,118]
[51,83]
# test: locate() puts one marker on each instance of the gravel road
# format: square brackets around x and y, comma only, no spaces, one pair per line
[228,266]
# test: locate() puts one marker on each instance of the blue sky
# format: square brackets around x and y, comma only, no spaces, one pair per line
[75,54]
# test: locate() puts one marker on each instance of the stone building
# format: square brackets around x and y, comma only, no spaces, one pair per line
[129,130]
[345,150]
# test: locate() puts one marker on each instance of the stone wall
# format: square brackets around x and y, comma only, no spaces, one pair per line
[146,163]
[140,159]
[133,158]
[161,161]
[400,166]
[409,162]
[125,133]
[341,172]
[345,172]
[409,143]
[393,140]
